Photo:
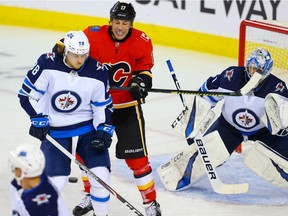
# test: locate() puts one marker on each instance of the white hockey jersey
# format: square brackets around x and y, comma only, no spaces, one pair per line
[243,112]
[76,102]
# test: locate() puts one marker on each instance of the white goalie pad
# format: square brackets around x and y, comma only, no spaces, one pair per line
[276,118]
[196,117]
[186,168]
[268,164]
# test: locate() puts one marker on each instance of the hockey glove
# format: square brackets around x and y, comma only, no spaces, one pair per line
[39,126]
[137,88]
[103,137]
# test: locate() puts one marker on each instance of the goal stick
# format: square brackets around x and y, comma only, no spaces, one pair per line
[171,69]
[173,91]
[99,180]
[216,183]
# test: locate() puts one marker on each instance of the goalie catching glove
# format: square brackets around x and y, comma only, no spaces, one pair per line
[137,88]
[276,118]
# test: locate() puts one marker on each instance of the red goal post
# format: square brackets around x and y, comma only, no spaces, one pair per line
[269,34]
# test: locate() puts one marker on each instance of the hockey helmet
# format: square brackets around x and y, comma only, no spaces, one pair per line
[76,42]
[261,59]
[29,158]
[122,11]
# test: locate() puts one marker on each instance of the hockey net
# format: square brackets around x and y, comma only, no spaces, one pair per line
[271,35]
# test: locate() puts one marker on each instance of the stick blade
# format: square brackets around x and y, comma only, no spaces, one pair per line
[251,84]
[232,188]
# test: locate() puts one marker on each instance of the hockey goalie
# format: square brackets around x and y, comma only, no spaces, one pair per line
[260,115]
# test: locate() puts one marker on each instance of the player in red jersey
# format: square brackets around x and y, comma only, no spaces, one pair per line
[128,53]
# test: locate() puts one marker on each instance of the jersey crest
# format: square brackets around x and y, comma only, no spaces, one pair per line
[66,101]
[245,118]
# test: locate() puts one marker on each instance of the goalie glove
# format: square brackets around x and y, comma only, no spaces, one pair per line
[276,118]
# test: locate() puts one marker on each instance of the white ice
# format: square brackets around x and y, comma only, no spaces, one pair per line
[20,48]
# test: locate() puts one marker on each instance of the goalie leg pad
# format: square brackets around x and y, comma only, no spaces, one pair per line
[268,164]
[187,168]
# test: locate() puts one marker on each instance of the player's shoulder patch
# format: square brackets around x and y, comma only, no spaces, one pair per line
[50,56]
[95,28]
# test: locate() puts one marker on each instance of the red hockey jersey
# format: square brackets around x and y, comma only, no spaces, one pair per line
[126,58]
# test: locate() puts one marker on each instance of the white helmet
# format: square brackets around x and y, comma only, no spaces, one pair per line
[29,158]
[76,42]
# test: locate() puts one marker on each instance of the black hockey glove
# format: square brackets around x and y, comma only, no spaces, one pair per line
[39,126]
[103,137]
[137,88]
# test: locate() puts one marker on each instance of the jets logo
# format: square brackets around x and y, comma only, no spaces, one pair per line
[41,198]
[50,56]
[66,101]
[245,118]
[229,74]
[279,87]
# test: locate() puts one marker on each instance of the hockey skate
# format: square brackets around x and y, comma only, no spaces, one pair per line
[84,207]
[153,209]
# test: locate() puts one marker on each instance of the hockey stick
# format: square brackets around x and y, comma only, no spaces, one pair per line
[99,180]
[171,69]
[176,82]
[172,91]
[216,183]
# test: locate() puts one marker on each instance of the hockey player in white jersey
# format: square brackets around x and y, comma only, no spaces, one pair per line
[32,194]
[68,97]
[260,116]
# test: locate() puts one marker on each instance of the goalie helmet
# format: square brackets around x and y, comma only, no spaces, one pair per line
[76,42]
[261,59]
[123,11]
[30,159]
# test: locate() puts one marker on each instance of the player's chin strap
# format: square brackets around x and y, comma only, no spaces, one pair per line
[89,172]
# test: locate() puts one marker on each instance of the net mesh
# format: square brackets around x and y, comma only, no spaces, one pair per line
[276,43]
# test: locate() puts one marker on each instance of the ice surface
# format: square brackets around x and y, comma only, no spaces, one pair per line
[20,48]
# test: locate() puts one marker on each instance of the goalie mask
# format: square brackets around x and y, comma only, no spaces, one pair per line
[123,11]
[30,159]
[261,60]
